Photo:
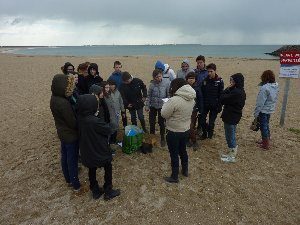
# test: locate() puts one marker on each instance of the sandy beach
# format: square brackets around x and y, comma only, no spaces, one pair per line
[262,187]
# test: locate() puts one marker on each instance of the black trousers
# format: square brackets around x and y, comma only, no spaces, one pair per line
[152,120]
[107,176]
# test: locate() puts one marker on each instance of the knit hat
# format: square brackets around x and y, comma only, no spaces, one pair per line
[95,89]
[160,65]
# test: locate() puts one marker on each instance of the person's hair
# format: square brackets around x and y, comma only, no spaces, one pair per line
[156,72]
[117,63]
[191,74]
[211,66]
[200,57]
[111,82]
[126,76]
[268,77]
[176,84]
[83,67]
[103,84]
[64,68]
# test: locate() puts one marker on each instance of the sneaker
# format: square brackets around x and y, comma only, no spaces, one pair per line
[171,180]
[111,194]
[229,159]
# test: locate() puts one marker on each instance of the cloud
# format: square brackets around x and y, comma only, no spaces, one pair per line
[156,21]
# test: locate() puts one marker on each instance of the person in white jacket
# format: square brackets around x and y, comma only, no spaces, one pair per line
[265,105]
[177,111]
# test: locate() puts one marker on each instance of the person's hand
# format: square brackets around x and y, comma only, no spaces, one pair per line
[129,105]
[143,99]
[147,110]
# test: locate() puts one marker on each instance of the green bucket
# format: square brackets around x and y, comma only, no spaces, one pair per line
[132,143]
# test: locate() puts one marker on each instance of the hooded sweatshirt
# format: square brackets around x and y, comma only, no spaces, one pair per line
[233,99]
[90,79]
[93,133]
[181,73]
[266,99]
[178,109]
[65,121]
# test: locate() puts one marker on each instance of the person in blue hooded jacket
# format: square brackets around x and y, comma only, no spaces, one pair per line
[265,105]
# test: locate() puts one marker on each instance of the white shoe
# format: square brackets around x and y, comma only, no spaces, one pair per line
[228,159]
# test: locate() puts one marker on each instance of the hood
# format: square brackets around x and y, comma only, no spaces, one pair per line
[186,92]
[186,61]
[273,87]
[95,89]
[166,67]
[65,67]
[238,79]
[94,66]
[87,105]
[62,85]
[159,65]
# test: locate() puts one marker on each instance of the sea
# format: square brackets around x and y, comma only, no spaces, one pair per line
[188,50]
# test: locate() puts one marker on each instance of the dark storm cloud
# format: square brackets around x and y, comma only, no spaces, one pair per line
[190,17]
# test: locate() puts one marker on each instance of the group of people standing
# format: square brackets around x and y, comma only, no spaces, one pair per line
[87,111]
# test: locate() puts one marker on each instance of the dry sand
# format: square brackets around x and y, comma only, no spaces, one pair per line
[261,188]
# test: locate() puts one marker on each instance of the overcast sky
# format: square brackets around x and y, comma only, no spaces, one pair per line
[77,22]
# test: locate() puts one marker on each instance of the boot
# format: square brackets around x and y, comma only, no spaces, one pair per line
[111,193]
[162,141]
[195,146]
[204,132]
[96,191]
[210,132]
[143,123]
[185,171]
[171,179]
[265,144]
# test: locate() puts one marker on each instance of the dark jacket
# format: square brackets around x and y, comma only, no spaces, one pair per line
[211,91]
[61,108]
[93,133]
[233,100]
[133,93]
[199,98]
[89,80]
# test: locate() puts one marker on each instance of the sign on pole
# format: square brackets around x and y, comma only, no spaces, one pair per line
[289,68]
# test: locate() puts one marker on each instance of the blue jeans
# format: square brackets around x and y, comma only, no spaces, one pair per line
[69,163]
[133,115]
[230,135]
[264,120]
[177,146]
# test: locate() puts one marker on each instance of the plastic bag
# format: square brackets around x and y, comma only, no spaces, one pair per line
[133,139]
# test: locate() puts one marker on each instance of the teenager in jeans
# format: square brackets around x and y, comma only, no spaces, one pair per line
[265,105]
[177,111]
[134,93]
[66,125]
[94,147]
[233,98]
[158,89]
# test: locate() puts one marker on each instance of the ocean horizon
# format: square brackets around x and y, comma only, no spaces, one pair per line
[184,50]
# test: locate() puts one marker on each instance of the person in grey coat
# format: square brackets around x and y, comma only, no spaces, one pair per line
[265,105]
[158,89]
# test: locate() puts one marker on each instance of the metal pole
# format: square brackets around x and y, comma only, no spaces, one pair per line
[284,102]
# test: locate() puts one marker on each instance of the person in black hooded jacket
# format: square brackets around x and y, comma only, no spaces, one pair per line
[233,98]
[65,122]
[94,148]
[93,77]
